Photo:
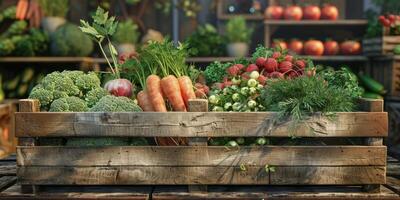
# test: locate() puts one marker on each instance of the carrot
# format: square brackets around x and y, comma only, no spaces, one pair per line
[144,101]
[186,85]
[23,9]
[155,94]
[170,86]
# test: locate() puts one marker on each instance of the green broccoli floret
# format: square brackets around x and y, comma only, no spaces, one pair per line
[87,82]
[94,95]
[73,74]
[58,82]
[68,40]
[59,94]
[6,47]
[85,141]
[111,103]
[68,104]
[44,96]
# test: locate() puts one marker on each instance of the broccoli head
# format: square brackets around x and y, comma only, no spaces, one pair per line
[59,82]
[87,82]
[44,96]
[68,40]
[94,95]
[73,74]
[111,103]
[68,104]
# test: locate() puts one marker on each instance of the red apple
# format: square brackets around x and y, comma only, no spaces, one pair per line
[296,46]
[329,12]
[350,47]
[274,12]
[314,48]
[311,12]
[293,13]
[331,47]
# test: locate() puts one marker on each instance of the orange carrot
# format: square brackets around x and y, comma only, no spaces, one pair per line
[170,86]
[144,101]
[186,85]
[155,94]
[24,9]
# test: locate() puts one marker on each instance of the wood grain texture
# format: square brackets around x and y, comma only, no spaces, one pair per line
[371,105]
[218,175]
[202,156]
[196,124]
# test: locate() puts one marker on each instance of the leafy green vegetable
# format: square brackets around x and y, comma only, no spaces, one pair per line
[237,30]
[206,41]
[16,28]
[343,79]
[68,104]
[67,40]
[103,28]
[111,103]
[216,71]
[127,32]
[303,96]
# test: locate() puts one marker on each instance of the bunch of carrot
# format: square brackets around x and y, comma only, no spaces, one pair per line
[163,76]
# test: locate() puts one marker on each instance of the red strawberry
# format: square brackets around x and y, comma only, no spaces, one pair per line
[262,79]
[285,66]
[251,67]
[289,58]
[270,65]
[276,54]
[277,75]
[233,70]
[260,61]
[300,64]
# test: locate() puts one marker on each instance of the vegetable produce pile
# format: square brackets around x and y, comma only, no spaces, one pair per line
[20,85]
[308,12]
[206,41]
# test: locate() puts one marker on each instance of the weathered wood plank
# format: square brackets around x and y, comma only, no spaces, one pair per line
[371,105]
[6,181]
[201,175]
[202,156]
[285,175]
[8,169]
[210,124]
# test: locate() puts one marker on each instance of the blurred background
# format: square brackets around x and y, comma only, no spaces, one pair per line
[41,36]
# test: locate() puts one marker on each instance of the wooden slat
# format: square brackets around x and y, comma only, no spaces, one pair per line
[202,156]
[200,175]
[6,181]
[285,175]
[209,124]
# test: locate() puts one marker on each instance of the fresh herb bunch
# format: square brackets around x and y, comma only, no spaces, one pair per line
[54,8]
[206,41]
[303,96]
[216,71]
[237,30]
[102,29]
[343,79]
[127,32]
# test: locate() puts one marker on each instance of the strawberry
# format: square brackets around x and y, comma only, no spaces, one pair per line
[270,65]
[289,58]
[233,70]
[260,61]
[276,55]
[300,64]
[251,67]
[285,66]
[262,79]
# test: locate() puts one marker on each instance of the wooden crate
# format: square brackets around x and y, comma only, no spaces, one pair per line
[380,46]
[386,70]
[394,123]
[198,165]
